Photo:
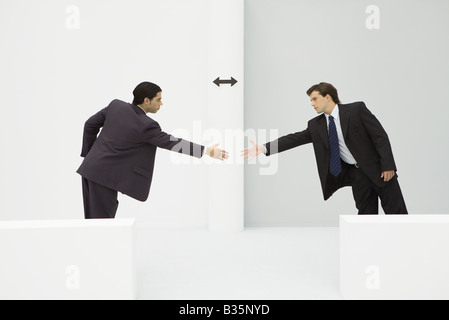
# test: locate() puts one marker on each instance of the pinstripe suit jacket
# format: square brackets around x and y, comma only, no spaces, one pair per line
[122,156]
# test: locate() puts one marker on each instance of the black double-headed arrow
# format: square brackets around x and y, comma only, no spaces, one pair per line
[218,81]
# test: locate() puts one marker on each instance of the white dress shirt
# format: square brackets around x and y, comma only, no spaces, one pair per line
[345,154]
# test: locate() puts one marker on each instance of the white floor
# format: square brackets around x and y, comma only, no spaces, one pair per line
[256,264]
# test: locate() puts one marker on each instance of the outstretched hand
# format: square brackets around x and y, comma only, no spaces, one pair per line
[253,151]
[217,153]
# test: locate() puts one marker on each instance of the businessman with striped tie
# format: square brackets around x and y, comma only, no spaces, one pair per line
[351,149]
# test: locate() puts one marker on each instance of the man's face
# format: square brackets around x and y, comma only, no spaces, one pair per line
[154,105]
[319,103]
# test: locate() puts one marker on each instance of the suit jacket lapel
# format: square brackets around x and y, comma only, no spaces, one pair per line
[322,129]
[344,120]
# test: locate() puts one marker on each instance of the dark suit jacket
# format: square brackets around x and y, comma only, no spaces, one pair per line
[364,136]
[122,156]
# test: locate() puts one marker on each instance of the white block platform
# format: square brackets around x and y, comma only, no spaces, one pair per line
[395,257]
[67,259]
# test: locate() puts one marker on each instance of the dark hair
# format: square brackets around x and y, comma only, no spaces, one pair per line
[325,89]
[145,90]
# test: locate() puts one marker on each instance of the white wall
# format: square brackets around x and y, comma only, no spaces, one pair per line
[400,70]
[60,62]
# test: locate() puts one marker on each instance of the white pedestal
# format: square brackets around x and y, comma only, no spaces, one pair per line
[394,257]
[67,259]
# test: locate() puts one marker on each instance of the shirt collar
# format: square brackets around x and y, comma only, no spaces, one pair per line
[334,114]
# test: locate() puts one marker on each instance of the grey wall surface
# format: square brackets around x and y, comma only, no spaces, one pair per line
[398,65]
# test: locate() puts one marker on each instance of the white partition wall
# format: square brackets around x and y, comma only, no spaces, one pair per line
[67,259]
[225,113]
[394,257]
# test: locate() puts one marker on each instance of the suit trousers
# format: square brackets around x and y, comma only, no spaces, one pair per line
[366,194]
[99,201]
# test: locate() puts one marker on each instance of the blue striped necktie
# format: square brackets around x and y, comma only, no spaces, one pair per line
[334,160]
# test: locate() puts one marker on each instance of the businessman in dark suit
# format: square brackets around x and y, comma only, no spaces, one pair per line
[122,157]
[351,149]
